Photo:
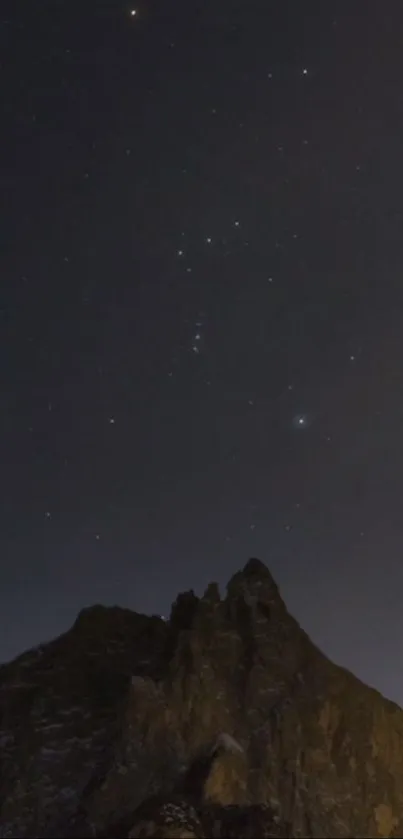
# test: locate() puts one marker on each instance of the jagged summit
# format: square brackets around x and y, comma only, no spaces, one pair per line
[256,568]
[255,582]
[98,616]
[256,573]
[226,718]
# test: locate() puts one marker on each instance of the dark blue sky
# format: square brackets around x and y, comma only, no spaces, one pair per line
[201,245]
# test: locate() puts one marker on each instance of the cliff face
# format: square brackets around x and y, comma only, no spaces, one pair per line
[224,721]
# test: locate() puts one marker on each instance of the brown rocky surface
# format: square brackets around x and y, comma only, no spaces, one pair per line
[224,721]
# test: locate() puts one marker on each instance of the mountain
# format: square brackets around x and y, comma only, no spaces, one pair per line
[224,721]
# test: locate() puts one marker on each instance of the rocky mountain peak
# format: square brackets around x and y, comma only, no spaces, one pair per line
[224,721]
[255,585]
[255,569]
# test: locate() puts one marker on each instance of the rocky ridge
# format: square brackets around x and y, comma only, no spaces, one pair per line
[223,721]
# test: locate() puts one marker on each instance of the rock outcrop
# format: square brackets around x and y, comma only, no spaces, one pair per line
[224,721]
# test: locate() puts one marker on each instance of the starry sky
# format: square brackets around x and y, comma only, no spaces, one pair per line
[201,313]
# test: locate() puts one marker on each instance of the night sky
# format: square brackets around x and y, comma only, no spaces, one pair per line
[201,313]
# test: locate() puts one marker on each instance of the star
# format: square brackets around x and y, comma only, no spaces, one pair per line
[133,12]
[111,420]
[304,71]
[301,421]
[209,240]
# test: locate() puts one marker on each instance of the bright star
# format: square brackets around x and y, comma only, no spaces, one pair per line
[301,421]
